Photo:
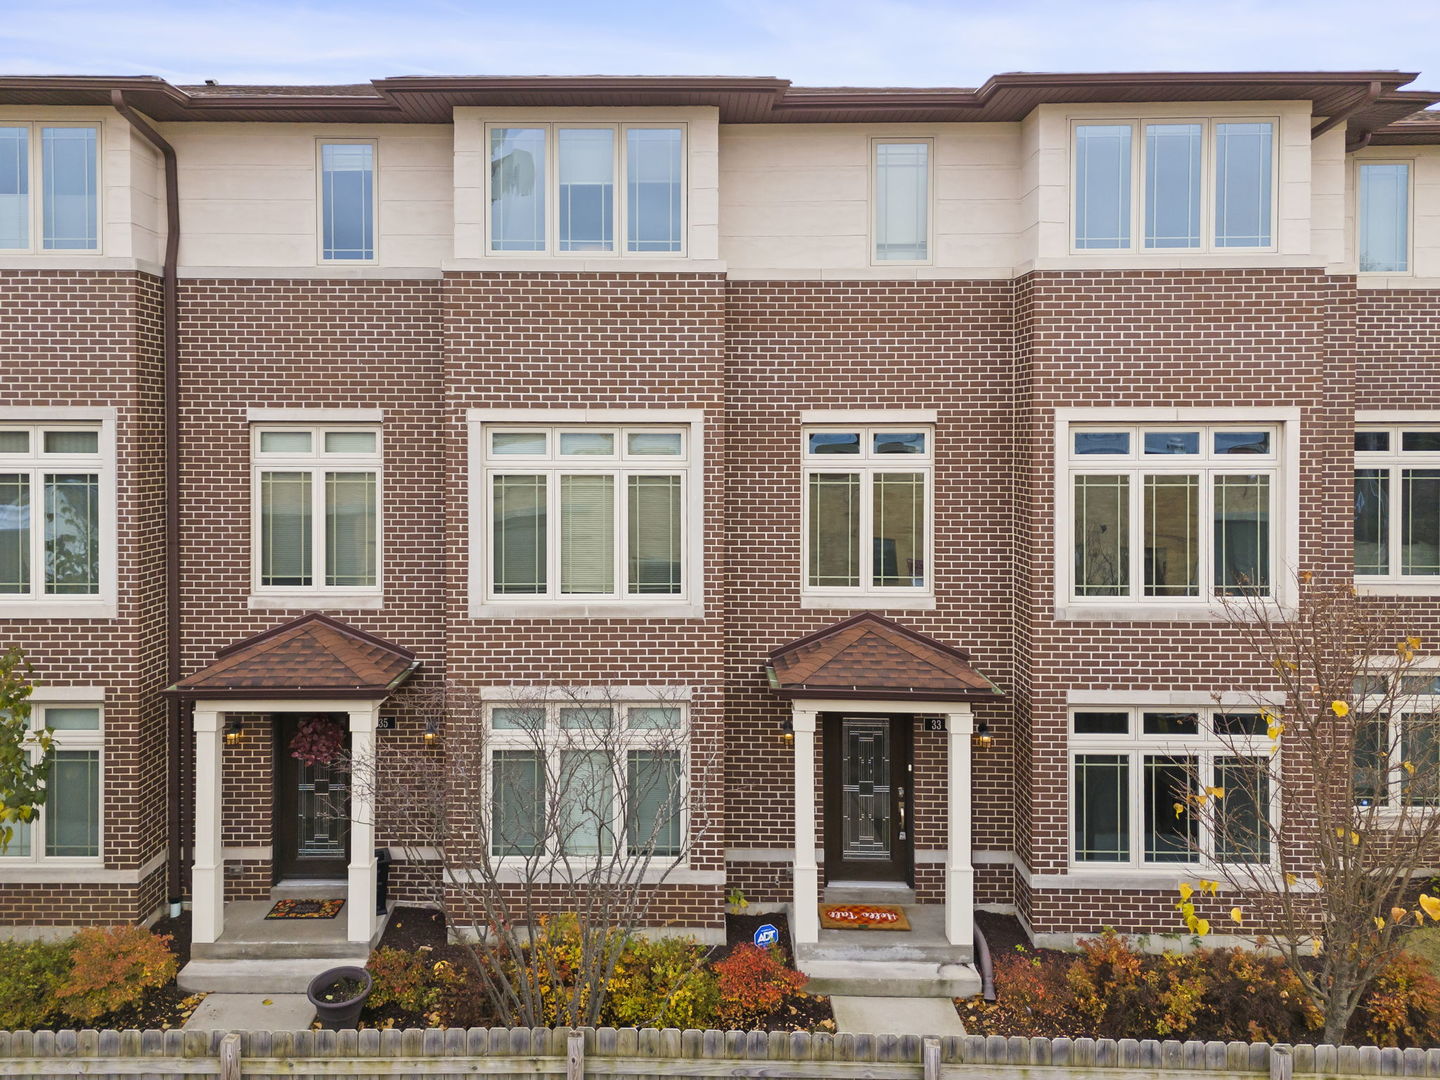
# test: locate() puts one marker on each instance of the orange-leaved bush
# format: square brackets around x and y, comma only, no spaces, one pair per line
[1401,1007]
[754,982]
[113,968]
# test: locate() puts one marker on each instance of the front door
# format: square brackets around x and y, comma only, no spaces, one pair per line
[312,813]
[869,835]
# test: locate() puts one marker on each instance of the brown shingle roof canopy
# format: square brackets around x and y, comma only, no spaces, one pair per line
[869,656]
[313,656]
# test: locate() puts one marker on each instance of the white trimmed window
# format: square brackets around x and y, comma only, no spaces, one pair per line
[316,516]
[49,187]
[580,779]
[867,518]
[593,513]
[901,186]
[68,826]
[1171,513]
[1383,216]
[347,201]
[1173,184]
[1397,503]
[56,493]
[1134,770]
[586,189]
[1397,753]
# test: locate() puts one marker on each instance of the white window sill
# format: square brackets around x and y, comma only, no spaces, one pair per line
[1395,281]
[865,602]
[1088,876]
[565,609]
[44,872]
[1397,588]
[1139,613]
[311,601]
[57,609]
[579,871]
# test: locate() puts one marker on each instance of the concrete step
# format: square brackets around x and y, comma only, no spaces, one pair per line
[887,946]
[308,890]
[861,978]
[253,976]
[279,950]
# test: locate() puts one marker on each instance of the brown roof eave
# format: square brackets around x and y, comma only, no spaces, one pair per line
[860,693]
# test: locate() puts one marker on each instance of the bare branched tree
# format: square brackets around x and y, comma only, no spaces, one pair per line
[558,804]
[1325,812]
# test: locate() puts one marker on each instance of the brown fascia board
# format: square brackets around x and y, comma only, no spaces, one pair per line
[803,693]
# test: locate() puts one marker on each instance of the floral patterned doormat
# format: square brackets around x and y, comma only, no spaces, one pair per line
[863,917]
[305,909]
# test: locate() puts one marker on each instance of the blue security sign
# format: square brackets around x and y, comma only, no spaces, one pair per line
[767,935]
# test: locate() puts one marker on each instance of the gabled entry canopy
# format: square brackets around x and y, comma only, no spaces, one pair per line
[869,656]
[313,656]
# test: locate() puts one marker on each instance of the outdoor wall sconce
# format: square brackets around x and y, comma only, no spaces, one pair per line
[982,737]
[787,730]
[234,731]
[432,733]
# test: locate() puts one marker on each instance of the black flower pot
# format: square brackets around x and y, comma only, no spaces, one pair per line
[339,1009]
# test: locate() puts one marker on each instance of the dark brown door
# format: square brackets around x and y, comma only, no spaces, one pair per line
[869,835]
[312,813]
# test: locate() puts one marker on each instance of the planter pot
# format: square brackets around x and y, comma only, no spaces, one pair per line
[339,1014]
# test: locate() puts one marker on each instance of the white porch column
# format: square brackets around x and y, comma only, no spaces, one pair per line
[805,920]
[360,897]
[959,873]
[207,883]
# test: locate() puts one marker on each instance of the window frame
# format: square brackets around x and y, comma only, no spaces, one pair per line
[1358,174]
[1209,163]
[1404,704]
[876,141]
[620,175]
[64,740]
[1135,464]
[486,603]
[1395,462]
[1206,747]
[320,143]
[35,463]
[317,463]
[623,741]
[35,179]
[866,464]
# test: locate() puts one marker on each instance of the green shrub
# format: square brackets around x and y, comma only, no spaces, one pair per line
[113,968]
[30,972]
[662,982]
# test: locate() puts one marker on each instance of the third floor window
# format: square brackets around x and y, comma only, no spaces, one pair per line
[347,202]
[1192,185]
[587,189]
[49,187]
[1383,217]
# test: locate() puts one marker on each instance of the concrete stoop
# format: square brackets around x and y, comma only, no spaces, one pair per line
[891,978]
[240,976]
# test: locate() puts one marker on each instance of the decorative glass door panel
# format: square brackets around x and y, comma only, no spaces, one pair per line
[866,790]
[867,782]
[322,822]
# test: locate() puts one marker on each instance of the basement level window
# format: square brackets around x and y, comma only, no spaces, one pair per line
[67,829]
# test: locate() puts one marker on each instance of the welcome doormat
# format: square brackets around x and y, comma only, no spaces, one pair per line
[863,917]
[305,909]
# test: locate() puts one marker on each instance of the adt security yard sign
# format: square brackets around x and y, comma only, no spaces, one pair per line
[766,935]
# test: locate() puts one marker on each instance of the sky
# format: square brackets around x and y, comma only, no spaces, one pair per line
[810,42]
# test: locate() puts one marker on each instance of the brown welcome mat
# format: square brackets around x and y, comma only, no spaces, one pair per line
[863,917]
[305,909]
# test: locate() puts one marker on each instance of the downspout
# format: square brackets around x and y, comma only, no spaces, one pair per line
[170,344]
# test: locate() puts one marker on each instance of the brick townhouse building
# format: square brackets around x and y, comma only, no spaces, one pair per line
[896,443]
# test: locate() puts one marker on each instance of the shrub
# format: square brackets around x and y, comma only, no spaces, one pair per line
[662,982]
[113,968]
[1401,1007]
[753,983]
[412,983]
[30,971]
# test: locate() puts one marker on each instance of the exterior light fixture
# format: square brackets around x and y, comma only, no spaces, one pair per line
[982,738]
[432,732]
[787,730]
[234,731]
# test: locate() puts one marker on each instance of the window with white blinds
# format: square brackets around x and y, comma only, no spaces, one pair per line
[317,509]
[585,512]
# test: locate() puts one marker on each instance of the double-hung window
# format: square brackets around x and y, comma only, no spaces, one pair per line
[1171,513]
[576,189]
[587,513]
[316,509]
[68,824]
[1397,744]
[867,510]
[1397,503]
[578,779]
[901,185]
[1135,774]
[54,488]
[49,187]
[1383,216]
[1173,185]
[347,201]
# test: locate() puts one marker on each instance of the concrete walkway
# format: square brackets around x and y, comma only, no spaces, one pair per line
[252,1012]
[896,1016]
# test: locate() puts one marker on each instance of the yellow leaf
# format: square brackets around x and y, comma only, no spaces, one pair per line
[1409,767]
[1179,809]
[1315,946]
[267,1001]
[1187,909]
[1339,832]
[1236,916]
[1211,887]
[1216,792]
[1339,708]
[1413,642]
[1379,923]
[1431,906]
[1202,926]
[1186,891]
[1291,879]
[1354,837]
[1275,729]
[1397,914]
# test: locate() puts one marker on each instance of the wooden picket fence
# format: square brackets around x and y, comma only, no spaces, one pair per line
[627,1052]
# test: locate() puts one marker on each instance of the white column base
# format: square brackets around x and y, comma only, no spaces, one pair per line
[959,905]
[207,908]
[360,901]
